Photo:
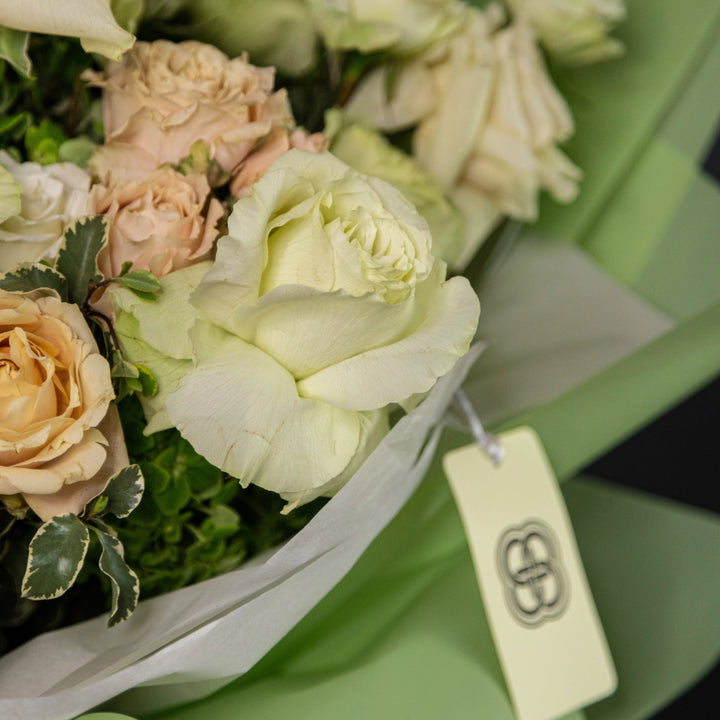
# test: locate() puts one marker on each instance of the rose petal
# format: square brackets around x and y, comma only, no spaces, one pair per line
[72,498]
[374,426]
[307,330]
[393,372]
[77,463]
[273,438]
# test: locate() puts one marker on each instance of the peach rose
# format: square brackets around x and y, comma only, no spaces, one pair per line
[278,142]
[163,222]
[55,391]
[163,97]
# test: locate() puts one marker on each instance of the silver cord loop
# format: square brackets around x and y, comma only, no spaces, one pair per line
[489,443]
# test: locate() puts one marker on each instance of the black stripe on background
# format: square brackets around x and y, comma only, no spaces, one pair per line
[711,164]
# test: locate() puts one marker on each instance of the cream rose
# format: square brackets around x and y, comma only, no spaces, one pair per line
[163,97]
[489,126]
[574,31]
[55,391]
[163,222]
[323,307]
[52,197]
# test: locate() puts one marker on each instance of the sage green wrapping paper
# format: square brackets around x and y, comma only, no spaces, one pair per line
[404,633]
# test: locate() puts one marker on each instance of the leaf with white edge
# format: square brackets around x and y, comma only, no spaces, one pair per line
[56,554]
[125,584]
[124,491]
[28,277]
[77,258]
[13,48]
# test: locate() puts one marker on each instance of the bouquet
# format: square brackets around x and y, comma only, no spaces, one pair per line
[228,296]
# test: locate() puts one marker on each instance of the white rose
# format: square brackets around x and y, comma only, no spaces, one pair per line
[574,31]
[52,197]
[324,306]
[369,152]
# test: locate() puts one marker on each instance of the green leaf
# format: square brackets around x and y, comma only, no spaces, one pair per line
[174,496]
[43,141]
[133,421]
[166,557]
[122,368]
[13,122]
[127,387]
[197,161]
[28,277]
[125,584]
[156,478]
[77,258]
[152,297]
[203,479]
[97,506]
[147,380]
[207,551]
[139,280]
[124,491]
[57,552]
[13,48]
[77,150]
[147,512]
[172,532]
[205,485]
[222,522]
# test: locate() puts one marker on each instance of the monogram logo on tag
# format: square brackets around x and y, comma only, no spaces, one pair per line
[536,587]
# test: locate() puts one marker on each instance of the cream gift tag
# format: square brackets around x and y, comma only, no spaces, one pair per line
[546,629]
